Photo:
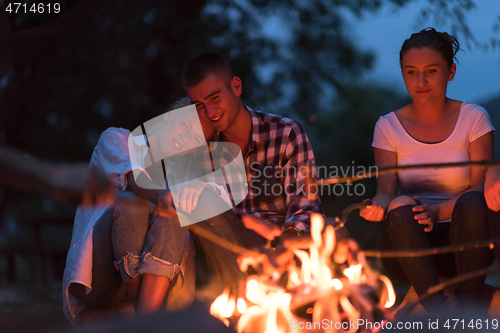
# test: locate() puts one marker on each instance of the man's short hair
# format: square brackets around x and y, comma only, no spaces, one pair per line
[198,68]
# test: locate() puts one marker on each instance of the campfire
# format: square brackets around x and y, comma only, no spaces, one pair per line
[330,287]
[319,284]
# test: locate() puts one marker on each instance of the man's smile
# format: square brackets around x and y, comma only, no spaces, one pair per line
[217,118]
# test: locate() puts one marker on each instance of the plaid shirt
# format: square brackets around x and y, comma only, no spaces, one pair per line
[279,150]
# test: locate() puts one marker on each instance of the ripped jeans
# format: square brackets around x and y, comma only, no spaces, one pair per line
[130,238]
[127,241]
[141,243]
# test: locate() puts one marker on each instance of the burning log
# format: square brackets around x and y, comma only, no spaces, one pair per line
[325,285]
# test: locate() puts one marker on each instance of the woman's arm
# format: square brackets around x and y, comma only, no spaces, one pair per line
[76,183]
[480,149]
[161,197]
[386,186]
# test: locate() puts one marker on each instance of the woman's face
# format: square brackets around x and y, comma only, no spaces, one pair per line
[426,74]
[183,130]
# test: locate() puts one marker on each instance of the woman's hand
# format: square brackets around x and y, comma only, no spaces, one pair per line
[374,212]
[426,215]
[187,197]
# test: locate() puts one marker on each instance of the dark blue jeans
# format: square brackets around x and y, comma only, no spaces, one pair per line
[137,242]
[469,223]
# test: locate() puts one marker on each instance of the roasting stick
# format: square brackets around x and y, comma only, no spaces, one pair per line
[382,171]
[437,250]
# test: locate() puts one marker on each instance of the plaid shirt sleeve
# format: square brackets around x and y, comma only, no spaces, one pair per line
[298,162]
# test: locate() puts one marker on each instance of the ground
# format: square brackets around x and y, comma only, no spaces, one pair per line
[27,307]
[37,307]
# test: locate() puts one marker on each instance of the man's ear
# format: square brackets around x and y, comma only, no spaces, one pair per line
[236,85]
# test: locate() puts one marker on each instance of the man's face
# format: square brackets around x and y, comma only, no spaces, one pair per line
[217,99]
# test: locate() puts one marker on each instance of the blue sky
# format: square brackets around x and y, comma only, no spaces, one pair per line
[478,71]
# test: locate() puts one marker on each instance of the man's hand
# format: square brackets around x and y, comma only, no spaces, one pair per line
[492,189]
[267,230]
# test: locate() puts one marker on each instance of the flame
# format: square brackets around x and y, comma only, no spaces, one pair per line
[223,307]
[337,284]
[391,294]
[353,273]
[241,305]
[266,306]
[317,224]
[269,300]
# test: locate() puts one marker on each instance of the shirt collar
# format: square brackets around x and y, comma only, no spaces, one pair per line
[259,134]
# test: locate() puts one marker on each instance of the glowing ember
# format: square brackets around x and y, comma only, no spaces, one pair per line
[311,289]
[336,284]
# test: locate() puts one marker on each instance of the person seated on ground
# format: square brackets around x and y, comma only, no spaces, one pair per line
[492,188]
[131,232]
[75,183]
[265,145]
[427,208]
[492,196]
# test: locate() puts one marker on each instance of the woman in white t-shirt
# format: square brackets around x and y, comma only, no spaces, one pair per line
[432,207]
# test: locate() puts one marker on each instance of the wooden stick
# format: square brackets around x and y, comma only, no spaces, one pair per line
[202,232]
[382,171]
[460,278]
[304,241]
[347,211]
[453,281]
[437,250]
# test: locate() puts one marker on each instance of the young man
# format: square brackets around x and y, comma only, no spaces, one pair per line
[276,151]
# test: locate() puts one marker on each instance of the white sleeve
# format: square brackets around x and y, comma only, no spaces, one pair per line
[111,155]
[480,123]
[383,135]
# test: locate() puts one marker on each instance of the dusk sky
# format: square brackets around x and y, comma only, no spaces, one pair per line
[478,71]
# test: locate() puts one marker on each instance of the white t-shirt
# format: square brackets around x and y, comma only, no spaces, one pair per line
[433,185]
